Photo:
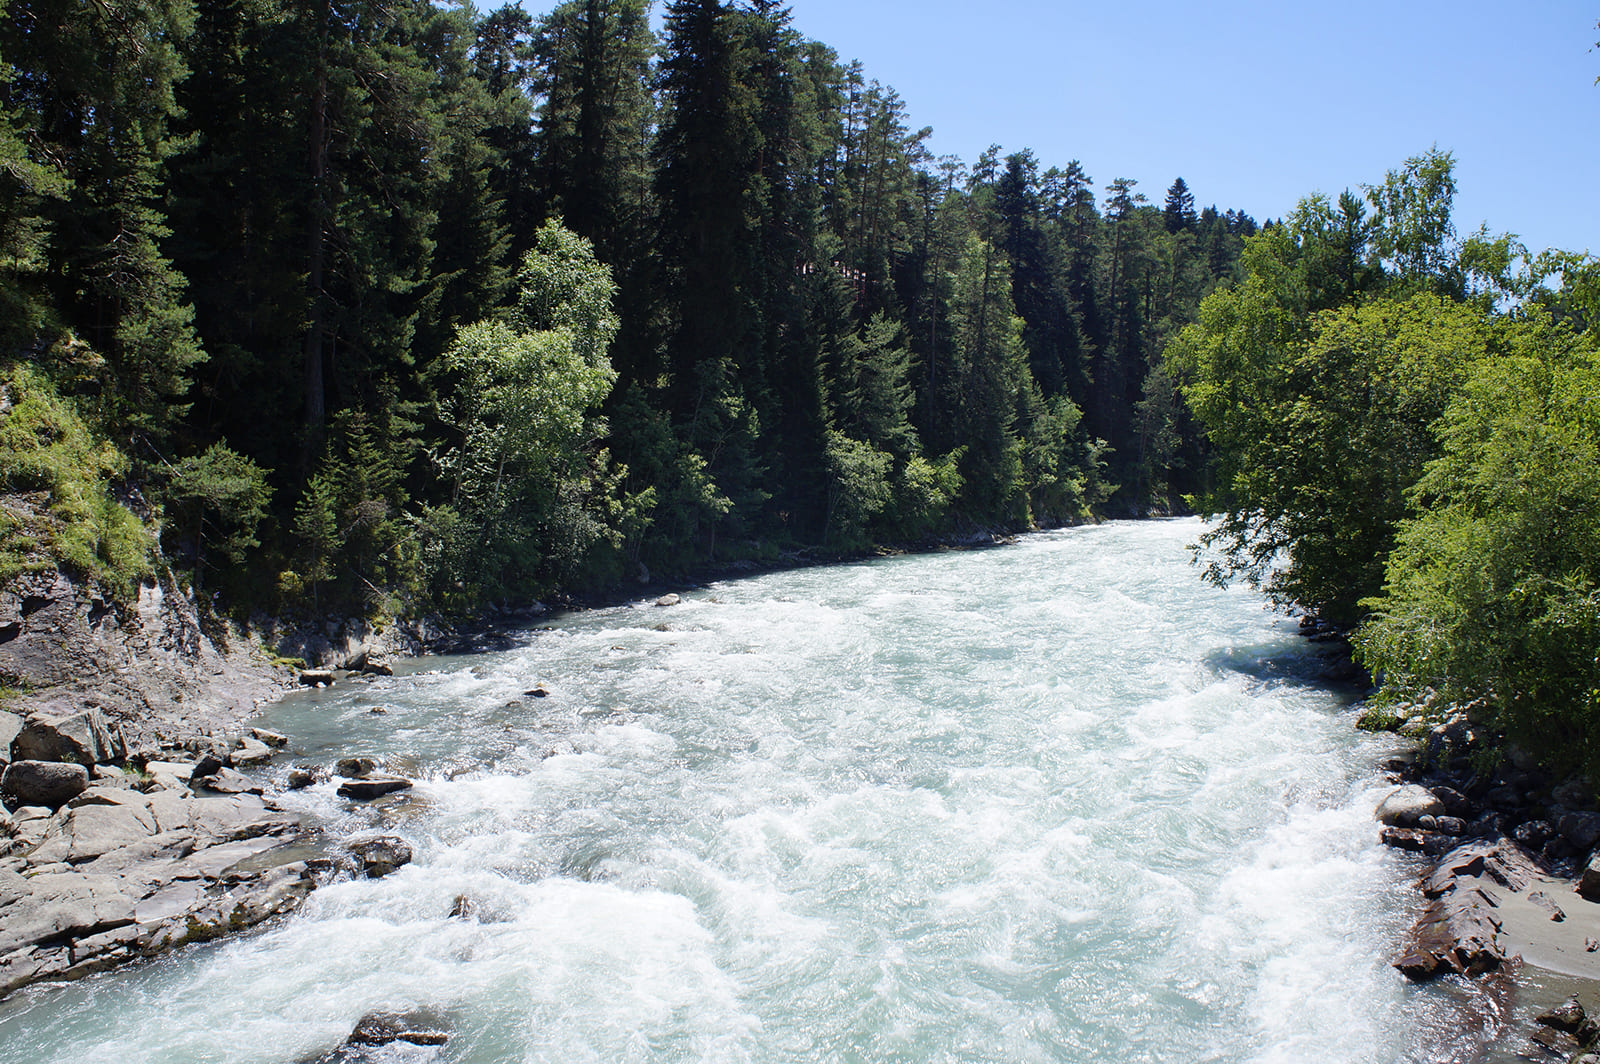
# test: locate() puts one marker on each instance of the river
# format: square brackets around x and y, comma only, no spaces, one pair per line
[1056,801]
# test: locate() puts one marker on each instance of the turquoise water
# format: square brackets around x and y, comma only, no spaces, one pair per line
[1057,801]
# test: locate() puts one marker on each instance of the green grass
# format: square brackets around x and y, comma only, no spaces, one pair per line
[57,508]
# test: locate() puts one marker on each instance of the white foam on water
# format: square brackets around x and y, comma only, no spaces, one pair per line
[1054,802]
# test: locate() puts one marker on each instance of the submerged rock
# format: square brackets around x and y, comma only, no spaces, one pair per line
[381,855]
[381,1028]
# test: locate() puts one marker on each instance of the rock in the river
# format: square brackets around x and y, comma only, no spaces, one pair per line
[1458,931]
[668,600]
[1405,805]
[382,1028]
[381,855]
[300,779]
[317,677]
[1556,1044]
[353,768]
[48,783]
[369,787]
[82,737]
[1567,1016]
[271,738]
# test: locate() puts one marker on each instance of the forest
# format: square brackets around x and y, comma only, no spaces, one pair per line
[385,307]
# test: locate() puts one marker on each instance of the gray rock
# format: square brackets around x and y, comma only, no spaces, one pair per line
[317,677]
[370,787]
[82,737]
[1405,805]
[250,752]
[271,738]
[300,779]
[66,904]
[381,855]
[10,725]
[668,600]
[227,781]
[46,783]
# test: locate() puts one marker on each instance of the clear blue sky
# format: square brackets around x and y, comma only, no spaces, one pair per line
[1256,104]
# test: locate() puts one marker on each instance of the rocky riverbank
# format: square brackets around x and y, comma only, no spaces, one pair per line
[1511,869]
[127,828]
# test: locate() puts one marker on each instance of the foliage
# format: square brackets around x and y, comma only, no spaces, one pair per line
[1493,588]
[1318,438]
[57,506]
[219,498]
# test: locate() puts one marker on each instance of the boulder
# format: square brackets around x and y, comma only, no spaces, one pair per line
[381,855]
[382,1028]
[1405,805]
[377,667]
[1582,830]
[1589,879]
[250,752]
[208,765]
[668,600]
[1567,1016]
[354,768]
[82,737]
[271,738]
[46,783]
[317,677]
[1456,804]
[300,779]
[369,787]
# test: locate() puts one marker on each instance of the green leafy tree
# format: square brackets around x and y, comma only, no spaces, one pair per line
[1318,437]
[1492,593]
[219,498]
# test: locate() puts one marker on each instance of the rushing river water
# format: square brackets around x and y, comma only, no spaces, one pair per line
[1057,801]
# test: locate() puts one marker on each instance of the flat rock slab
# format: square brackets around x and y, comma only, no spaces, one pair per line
[118,875]
[370,787]
[1489,902]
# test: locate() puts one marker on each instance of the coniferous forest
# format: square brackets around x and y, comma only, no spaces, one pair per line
[377,306]
[407,305]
